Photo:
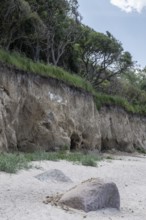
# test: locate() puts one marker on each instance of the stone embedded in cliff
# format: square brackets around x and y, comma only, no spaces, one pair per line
[92,195]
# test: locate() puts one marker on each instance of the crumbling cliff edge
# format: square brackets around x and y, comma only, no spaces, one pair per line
[40,113]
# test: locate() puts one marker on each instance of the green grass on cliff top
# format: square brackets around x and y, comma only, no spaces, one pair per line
[26,64]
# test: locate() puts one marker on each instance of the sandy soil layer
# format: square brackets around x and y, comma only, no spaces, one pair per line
[22,195]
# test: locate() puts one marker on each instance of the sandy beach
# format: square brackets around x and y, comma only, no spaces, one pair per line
[22,194]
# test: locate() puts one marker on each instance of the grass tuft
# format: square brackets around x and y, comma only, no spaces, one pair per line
[141,150]
[11,163]
[89,162]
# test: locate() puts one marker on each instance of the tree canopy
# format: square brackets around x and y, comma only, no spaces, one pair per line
[52,31]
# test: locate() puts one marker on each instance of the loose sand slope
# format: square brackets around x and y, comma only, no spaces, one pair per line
[22,195]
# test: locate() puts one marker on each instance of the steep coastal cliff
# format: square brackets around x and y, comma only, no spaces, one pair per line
[44,113]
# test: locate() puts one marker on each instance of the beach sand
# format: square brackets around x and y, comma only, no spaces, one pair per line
[22,195]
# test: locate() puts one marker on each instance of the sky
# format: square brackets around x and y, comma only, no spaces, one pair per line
[124,19]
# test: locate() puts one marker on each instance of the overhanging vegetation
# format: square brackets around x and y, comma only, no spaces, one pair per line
[26,64]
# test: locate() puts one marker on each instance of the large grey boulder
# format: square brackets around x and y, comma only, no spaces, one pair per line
[92,195]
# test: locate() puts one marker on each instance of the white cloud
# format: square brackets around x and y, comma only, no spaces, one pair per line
[130,5]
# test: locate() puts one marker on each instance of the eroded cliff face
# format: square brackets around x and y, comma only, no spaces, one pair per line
[43,113]
[121,130]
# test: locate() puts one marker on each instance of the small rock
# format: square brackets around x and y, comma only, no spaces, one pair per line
[53,174]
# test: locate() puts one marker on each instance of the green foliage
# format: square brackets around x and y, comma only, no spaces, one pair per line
[89,162]
[77,157]
[125,88]
[101,99]
[41,155]
[109,158]
[141,150]
[42,29]
[11,163]
[51,31]
[20,27]
[83,158]
[27,64]
[109,100]
[101,56]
